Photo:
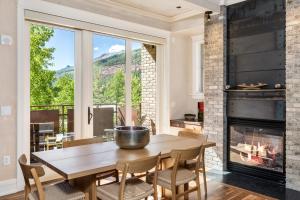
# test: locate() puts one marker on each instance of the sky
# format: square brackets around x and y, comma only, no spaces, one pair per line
[64,43]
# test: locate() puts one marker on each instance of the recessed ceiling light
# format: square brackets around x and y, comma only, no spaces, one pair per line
[178,7]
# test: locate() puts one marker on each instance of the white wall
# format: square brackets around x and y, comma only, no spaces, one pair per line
[181,101]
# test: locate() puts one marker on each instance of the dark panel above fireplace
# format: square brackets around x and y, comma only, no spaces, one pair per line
[256,43]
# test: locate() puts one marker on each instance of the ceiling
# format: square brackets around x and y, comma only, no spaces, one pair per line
[165,8]
[161,14]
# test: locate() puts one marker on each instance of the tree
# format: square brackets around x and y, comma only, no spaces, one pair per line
[115,89]
[136,89]
[42,90]
[65,90]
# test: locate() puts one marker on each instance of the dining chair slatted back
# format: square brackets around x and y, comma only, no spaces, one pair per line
[191,164]
[172,178]
[138,166]
[184,155]
[26,170]
[81,142]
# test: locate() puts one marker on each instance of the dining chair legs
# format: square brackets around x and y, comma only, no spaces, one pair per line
[174,192]
[205,183]
[163,192]
[198,188]
[186,188]
[27,191]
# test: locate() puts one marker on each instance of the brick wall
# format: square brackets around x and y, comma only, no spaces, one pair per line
[214,65]
[215,100]
[148,69]
[293,94]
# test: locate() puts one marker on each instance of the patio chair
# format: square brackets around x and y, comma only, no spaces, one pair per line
[190,164]
[54,142]
[103,121]
[59,191]
[177,175]
[111,173]
[132,188]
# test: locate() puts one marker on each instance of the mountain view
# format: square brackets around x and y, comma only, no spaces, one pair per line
[52,68]
[109,62]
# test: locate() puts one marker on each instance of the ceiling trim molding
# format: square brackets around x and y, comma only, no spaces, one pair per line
[186,15]
[206,4]
[131,9]
[141,12]
[230,2]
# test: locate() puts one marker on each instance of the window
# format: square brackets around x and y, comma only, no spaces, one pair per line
[198,67]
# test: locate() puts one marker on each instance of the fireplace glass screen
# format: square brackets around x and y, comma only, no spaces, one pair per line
[257,147]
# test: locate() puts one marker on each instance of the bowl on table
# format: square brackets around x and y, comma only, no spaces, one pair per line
[132,137]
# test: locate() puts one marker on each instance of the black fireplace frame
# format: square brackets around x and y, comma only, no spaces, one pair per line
[271,175]
[253,19]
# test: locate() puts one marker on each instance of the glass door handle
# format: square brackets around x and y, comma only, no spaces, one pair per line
[90,115]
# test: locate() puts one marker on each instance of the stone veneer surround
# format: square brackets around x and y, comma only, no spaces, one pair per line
[293,94]
[148,70]
[214,67]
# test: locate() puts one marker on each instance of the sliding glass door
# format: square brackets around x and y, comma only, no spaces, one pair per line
[52,86]
[124,84]
[84,84]
[109,65]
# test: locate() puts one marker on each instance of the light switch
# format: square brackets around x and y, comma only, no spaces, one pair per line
[5,110]
[6,160]
[6,40]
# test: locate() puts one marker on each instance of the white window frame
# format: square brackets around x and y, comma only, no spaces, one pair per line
[96,21]
[197,67]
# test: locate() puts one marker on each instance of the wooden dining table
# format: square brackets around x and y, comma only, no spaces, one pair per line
[80,164]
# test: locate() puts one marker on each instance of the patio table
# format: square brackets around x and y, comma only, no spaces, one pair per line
[82,163]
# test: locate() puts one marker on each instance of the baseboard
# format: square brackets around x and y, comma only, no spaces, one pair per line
[8,187]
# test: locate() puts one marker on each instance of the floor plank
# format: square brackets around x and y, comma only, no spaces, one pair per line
[216,191]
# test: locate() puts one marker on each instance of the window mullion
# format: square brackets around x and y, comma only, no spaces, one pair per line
[128,83]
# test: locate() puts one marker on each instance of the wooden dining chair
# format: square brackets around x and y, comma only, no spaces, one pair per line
[59,191]
[190,164]
[132,188]
[178,175]
[104,175]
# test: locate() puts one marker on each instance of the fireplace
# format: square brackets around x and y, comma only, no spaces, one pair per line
[257,148]
[256,116]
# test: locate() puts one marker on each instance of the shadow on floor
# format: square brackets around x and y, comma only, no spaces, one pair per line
[257,185]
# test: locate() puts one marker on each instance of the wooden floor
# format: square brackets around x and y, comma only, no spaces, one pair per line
[216,191]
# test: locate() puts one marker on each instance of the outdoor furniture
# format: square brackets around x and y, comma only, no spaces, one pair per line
[132,188]
[103,119]
[190,164]
[45,116]
[70,120]
[39,132]
[172,178]
[60,191]
[81,164]
[110,173]
[54,142]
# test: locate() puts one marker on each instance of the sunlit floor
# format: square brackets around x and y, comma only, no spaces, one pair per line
[216,190]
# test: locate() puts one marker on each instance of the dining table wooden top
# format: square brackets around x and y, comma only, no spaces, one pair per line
[80,161]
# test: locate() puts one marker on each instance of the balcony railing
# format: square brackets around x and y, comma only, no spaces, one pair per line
[63,115]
